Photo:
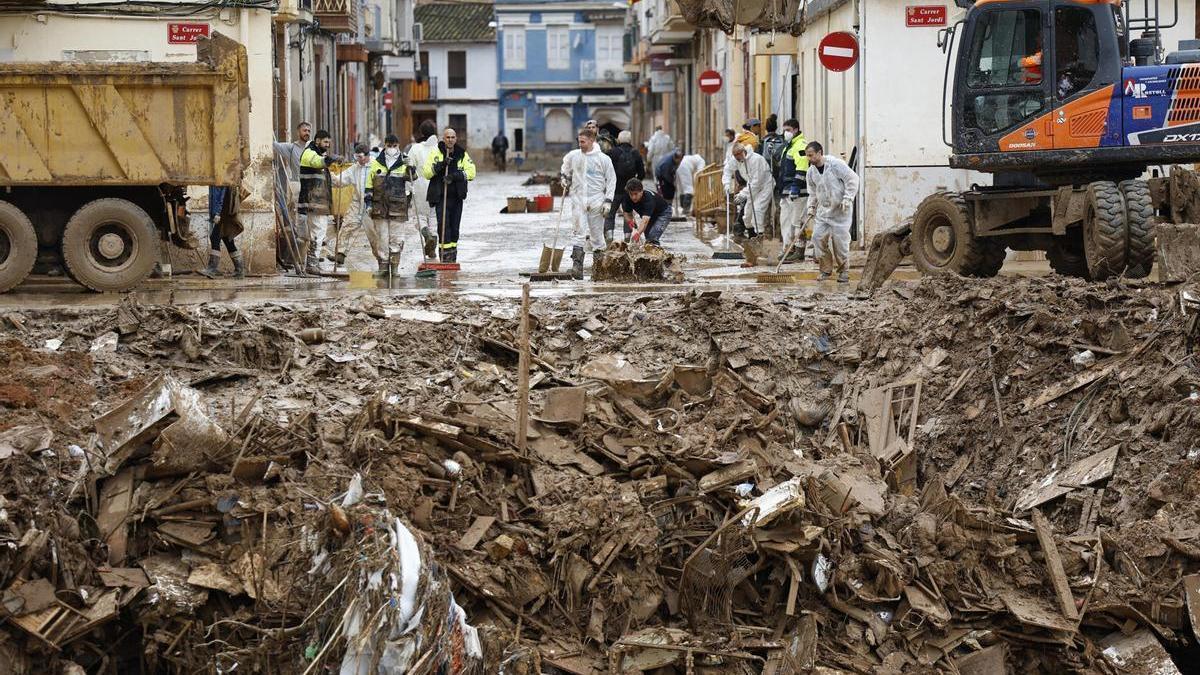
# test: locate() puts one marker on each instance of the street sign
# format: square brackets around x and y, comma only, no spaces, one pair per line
[710,82]
[186,33]
[387,100]
[838,51]
[922,16]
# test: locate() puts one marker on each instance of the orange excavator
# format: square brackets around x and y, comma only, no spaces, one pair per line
[1068,112]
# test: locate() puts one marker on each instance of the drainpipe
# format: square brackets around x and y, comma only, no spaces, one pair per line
[860,123]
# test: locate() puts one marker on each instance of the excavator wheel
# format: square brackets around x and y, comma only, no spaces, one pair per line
[18,246]
[110,245]
[1066,255]
[943,239]
[1105,234]
[1139,217]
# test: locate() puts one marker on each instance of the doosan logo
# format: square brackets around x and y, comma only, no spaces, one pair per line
[1181,138]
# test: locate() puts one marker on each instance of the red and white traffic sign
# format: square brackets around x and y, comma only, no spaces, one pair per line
[186,33]
[838,51]
[387,100]
[710,82]
[922,16]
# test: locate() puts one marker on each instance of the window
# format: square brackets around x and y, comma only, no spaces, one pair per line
[459,124]
[1005,71]
[456,65]
[514,122]
[1077,50]
[1007,50]
[423,57]
[558,48]
[559,128]
[610,48]
[514,48]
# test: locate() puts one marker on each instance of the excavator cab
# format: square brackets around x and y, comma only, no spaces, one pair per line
[1038,81]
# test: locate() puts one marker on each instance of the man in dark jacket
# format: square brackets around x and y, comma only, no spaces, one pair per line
[448,169]
[664,173]
[627,163]
[500,152]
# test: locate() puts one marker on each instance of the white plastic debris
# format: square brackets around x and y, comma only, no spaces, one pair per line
[105,344]
[452,467]
[354,493]
[53,344]
[822,569]
[744,490]
[1084,359]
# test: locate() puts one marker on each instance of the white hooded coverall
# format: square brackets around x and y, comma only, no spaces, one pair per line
[358,217]
[416,159]
[827,190]
[760,187]
[685,174]
[593,182]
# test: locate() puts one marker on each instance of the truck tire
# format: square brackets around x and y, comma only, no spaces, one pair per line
[18,246]
[1139,218]
[943,239]
[110,245]
[1105,234]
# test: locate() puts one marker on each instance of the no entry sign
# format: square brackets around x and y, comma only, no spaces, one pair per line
[838,51]
[710,82]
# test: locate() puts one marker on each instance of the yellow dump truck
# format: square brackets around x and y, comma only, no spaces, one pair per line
[98,157]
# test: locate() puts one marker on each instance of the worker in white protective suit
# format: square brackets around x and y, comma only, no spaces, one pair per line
[588,174]
[759,189]
[657,147]
[685,181]
[832,187]
[417,155]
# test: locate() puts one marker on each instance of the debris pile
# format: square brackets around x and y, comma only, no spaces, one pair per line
[646,263]
[982,476]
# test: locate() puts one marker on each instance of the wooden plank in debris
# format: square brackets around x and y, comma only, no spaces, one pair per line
[1032,610]
[1058,576]
[522,430]
[124,577]
[475,533]
[1060,389]
[1086,471]
[1191,590]
[632,409]
[116,498]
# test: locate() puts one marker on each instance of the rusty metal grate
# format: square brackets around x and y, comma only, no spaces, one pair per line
[713,571]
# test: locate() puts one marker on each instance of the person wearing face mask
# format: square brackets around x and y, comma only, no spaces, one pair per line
[793,166]
[417,154]
[361,176]
[591,181]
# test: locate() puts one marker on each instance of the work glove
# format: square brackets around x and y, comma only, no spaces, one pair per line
[439,168]
[741,197]
[564,180]
[847,203]
[367,198]
[334,159]
[606,206]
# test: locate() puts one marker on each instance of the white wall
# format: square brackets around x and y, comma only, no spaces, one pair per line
[481,70]
[483,123]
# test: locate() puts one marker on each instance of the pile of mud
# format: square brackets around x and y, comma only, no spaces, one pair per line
[646,263]
[982,476]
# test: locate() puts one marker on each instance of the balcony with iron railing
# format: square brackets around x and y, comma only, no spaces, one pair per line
[337,16]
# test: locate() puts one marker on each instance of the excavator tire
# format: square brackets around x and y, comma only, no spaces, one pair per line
[943,240]
[18,246]
[1066,255]
[110,245]
[1105,234]
[1139,218]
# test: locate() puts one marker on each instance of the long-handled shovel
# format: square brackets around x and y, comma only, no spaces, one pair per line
[552,255]
[786,251]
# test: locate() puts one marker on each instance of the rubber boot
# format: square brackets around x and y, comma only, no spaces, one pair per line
[430,243]
[214,265]
[577,262]
[312,266]
[383,268]
[597,260]
[239,265]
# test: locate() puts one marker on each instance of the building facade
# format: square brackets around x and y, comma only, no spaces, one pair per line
[560,63]
[458,68]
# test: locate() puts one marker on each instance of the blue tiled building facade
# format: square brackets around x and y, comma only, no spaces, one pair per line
[560,63]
